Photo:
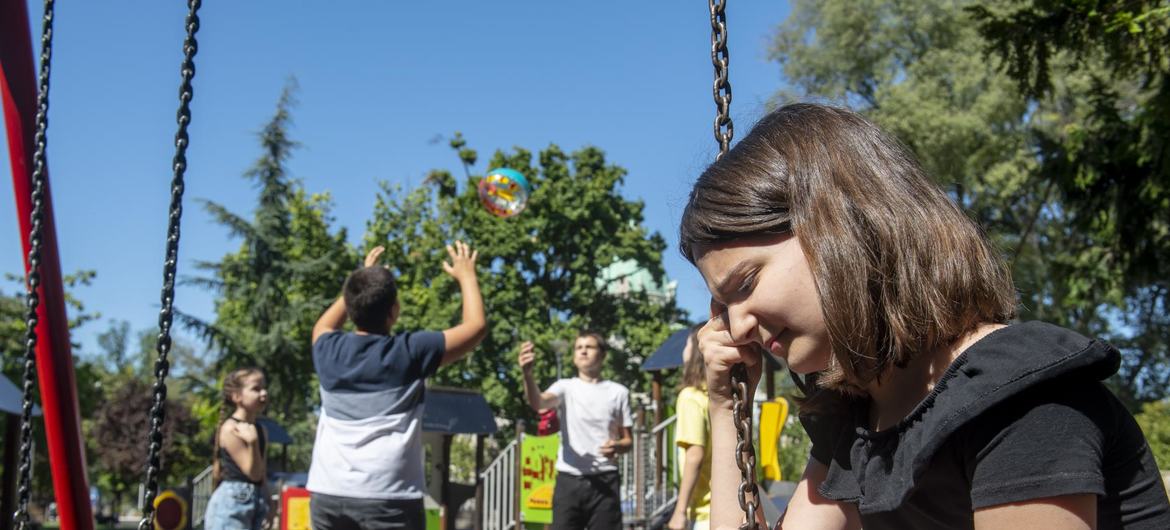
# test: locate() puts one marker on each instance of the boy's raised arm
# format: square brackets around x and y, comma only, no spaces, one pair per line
[334,317]
[464,337]
[331,320]
[536,399]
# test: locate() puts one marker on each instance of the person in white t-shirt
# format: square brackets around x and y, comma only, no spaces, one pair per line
[595,428]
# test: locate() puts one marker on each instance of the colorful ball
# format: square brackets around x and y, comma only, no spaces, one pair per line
[504,192]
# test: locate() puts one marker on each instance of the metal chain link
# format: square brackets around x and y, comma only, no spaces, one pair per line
[721,89]
[170,265]
[745,452]
[32,300]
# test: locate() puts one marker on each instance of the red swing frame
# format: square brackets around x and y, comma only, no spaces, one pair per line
[54,356]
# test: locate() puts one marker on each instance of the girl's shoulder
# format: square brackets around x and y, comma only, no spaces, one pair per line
[1019,363]
[1021,379]
[694,397]
[226,431]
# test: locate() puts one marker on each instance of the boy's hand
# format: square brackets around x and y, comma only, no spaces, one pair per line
[608,449]
[527,356]
[462,265]
[372,257]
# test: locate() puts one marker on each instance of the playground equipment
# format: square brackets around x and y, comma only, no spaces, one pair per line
[773,415]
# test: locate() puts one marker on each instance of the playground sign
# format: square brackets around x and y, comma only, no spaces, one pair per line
[538,477]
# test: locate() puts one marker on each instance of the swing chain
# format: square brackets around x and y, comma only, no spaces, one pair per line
[170,265]
[744,450]
[724,129]
[32,300]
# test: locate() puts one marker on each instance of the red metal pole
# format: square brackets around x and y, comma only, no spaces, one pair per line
[54,357]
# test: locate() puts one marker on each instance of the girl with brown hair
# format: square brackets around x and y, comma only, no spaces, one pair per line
[239,466]
[824,244]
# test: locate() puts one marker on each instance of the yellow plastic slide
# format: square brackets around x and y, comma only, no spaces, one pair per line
[773,414]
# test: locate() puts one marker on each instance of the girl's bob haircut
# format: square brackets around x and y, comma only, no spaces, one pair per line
[899,268]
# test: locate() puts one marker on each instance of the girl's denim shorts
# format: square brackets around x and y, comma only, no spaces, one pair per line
[236,506]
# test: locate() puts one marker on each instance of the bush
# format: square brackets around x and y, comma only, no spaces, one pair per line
[794,448]
[1154,420]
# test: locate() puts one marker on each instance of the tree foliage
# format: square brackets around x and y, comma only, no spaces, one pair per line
[117,435]
[114,393]
[539,272]
[13,329]
[12,318]
[1154,420]
[1109,157]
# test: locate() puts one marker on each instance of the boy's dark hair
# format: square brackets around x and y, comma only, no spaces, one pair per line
[369,293]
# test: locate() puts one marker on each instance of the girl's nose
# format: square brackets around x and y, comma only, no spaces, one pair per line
[741,324]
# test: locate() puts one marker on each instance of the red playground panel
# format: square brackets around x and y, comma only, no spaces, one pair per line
[294,509]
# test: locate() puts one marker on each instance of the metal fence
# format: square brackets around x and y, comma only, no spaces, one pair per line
[499,511]
[663,488]
[648,474]
[201,487]
[649,483]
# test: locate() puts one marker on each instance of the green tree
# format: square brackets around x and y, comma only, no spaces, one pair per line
[12,341]
[114,392]
[12,318]
[289,267]
[1154,420]
[117,435]
[540,268]
[1109,158]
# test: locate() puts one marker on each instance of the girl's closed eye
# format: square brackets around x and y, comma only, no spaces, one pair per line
[748,283]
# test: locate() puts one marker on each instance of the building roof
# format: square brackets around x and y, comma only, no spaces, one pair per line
[276,433]
[626,276]
[457,411]
[12,399]
[669,354]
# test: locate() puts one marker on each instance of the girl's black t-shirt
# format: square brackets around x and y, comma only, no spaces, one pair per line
[227,466]
[1021,415]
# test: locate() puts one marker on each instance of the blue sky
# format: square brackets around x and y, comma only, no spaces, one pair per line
[378,82]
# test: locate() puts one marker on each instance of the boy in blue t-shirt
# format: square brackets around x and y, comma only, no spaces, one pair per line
[367,467]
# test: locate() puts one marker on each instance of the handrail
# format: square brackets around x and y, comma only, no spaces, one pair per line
[499,490]
[201,488]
